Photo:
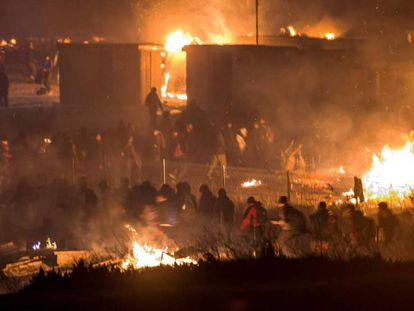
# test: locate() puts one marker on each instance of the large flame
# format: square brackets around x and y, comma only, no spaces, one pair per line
[147,256]
[392,174]
[177,40]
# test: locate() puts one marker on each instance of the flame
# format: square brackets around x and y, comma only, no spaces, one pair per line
[292,31]
[174,44]
[164,87]
[147,256]
[341,170]
[391,174]
[177,40]
[50,244]
[36,246]
[329,36]
[251,183]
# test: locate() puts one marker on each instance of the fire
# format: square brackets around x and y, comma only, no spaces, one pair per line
[391,174]
[174,57]
[329,36]
[292,31]
[251,183]
[177,40]
[147,256]
[36,246]
[49,245]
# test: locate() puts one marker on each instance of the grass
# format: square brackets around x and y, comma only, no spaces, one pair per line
[266,283]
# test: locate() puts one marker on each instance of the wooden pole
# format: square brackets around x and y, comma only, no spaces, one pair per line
[257,22]
[224,176]
[164,177]
[288,184]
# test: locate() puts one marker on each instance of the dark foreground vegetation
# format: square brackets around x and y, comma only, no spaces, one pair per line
[273,283]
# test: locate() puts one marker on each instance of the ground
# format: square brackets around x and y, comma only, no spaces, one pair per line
[23,95]
[261,284]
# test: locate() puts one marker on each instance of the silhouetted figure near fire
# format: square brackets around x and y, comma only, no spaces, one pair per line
[254,219]
[178,157]
[186,202]
[387,223]
[189,143]
[88,199]
[224,209]
[159,145]
[219,156]
[4,87]
[47,67]
[319,222]
[293,239]
[132,161]
[206,203]
[153,103]
[358,229]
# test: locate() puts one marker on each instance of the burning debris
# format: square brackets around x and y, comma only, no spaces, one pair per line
[48,245]
[144,256]
[252,183]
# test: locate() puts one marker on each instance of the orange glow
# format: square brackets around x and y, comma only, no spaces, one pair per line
[391,174]
[177,40]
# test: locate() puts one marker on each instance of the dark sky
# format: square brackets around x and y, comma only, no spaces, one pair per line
[23,18]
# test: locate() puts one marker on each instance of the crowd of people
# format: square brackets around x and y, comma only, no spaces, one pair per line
[323,232]
[34,210]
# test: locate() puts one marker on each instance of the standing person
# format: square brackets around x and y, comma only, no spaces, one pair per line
[153,103]
[189,143]
[159,145]
[231,144]
[320,223]
[47,69]
[177,155]
[4,87]
[224,209]
[207,202]
[254,220]
[186,202]
[133,162]
[219,156]
[241,138]
[387,222]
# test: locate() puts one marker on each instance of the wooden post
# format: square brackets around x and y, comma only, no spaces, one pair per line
[257,22]
[164,177]
[224,176]
[288,184]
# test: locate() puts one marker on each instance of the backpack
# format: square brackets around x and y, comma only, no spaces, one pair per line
[261,214]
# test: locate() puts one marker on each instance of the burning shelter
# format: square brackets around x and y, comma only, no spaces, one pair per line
[118,75]
[287,76]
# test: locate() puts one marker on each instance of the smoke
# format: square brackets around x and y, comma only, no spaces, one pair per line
[354,18]
[356,103]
